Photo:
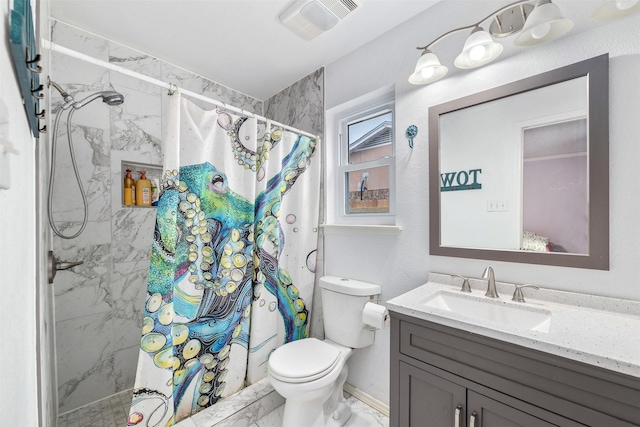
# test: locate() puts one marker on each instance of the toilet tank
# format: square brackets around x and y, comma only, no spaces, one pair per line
[342,303]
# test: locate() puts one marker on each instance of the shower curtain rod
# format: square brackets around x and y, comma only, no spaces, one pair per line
[46,44]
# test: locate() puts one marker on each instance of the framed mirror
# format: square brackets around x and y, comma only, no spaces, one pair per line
[520,173]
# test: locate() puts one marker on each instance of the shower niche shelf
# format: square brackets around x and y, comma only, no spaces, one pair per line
[153,172]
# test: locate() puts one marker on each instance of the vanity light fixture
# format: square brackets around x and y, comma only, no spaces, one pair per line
[479,49]
[612,9]
[534,25]
[545,23]
[428,69]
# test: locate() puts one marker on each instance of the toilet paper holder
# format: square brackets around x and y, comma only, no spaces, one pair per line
[372,320]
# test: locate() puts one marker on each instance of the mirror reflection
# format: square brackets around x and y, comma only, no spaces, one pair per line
[527,156]
[555,187]
[520,172]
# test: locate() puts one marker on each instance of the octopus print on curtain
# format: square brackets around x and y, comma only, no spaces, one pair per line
[232,263]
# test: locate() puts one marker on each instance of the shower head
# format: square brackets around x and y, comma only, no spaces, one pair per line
[108,96]
[113,98]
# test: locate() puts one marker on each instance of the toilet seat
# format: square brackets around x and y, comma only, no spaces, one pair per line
[303,360]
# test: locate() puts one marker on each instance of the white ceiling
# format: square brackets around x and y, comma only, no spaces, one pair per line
[239,43]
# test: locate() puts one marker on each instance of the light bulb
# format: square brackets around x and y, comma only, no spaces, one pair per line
[625,4]
[427,72]
[477,52]
[540,30]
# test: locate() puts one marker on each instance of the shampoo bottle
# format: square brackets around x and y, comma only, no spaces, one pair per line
[128,189]
[143,190]
[155,192]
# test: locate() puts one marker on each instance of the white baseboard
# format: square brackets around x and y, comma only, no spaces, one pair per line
[376,404]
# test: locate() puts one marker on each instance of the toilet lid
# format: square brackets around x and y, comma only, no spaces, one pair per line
[303,360]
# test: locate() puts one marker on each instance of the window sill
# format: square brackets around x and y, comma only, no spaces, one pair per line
[352,229]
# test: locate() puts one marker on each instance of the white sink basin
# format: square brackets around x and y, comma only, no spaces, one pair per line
[498,311]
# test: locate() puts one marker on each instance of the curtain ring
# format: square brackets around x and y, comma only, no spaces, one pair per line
[172,91]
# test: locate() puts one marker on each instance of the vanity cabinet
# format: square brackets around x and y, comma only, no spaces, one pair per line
[446,377]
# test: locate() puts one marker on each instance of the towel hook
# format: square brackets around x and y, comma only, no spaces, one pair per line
[35,60]
[41,114]
[34,91]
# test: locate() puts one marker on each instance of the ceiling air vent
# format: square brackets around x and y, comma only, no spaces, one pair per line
[310,18]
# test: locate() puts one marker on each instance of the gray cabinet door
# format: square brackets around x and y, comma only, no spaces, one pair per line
[427,400]
[487,412]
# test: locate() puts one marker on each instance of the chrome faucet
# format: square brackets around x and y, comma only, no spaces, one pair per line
[465,283]
[491,283]
[518,296]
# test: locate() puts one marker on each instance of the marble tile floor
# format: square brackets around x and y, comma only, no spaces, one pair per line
[111,412]
[362,415]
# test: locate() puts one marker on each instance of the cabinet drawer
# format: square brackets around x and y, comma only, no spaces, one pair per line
[581,392]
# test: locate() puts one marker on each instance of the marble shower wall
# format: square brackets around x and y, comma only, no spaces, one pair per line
[98,305]
[301,105]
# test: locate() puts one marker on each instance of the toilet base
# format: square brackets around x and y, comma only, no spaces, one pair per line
[318,403]
[296,411]
[314,415]
[336,407]
[335,411]
[340,416]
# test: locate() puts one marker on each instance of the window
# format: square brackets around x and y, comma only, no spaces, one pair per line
[366,170]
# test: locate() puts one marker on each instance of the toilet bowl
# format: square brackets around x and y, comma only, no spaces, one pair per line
[310,373]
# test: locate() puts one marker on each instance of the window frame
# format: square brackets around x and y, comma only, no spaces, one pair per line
[365,110]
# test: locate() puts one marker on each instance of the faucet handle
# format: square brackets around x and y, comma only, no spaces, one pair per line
[518,296]
[465,283]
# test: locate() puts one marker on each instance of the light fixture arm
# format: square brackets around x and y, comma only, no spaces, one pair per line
[477,24]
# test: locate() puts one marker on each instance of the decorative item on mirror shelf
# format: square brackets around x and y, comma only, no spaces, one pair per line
[534,242]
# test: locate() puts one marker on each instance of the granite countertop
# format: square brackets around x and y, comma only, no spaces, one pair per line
[600,331]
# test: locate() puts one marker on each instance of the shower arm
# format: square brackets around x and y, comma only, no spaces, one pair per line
[68,99]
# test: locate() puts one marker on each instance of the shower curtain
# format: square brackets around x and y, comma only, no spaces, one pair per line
[232,262]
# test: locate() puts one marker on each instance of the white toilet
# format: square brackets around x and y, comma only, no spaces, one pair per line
[310,373]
